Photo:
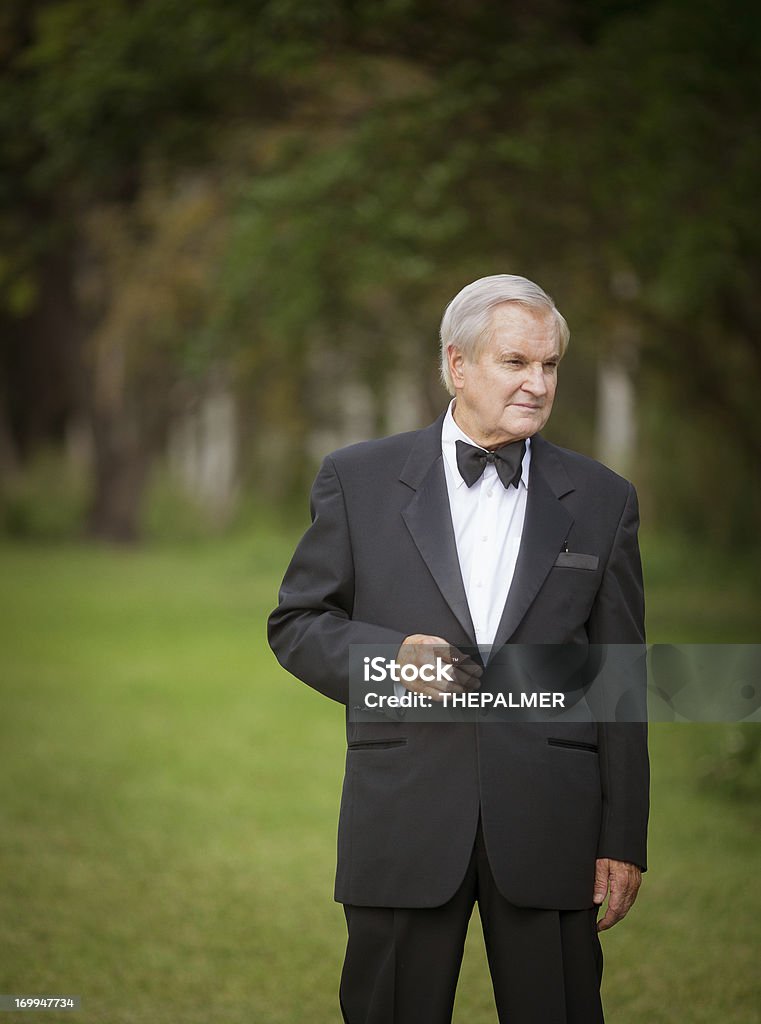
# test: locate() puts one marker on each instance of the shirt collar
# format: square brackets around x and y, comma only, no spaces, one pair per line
[451,433]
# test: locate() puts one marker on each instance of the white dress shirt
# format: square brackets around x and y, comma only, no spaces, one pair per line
[488,524]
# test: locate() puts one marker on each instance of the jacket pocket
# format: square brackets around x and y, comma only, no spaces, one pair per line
[574,745]
[576,560]
[376,744]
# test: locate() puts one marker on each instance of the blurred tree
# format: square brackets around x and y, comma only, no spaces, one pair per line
[100,98]
[361,160]
[608,150]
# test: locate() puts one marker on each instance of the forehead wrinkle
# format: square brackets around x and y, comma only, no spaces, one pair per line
[514,319]
[522,354]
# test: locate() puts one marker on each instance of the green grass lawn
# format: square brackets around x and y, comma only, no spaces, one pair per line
[169,797]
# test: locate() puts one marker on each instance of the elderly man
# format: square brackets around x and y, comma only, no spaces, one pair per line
[470,534]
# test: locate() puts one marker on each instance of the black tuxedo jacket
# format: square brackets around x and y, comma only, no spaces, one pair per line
[379,563]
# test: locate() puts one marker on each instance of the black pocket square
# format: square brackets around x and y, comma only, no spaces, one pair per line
[574,560]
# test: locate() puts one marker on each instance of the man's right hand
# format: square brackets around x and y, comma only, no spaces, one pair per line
[421,649]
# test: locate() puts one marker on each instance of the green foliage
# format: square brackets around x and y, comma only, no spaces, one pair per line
[360,162]
[113,78]
[610,155]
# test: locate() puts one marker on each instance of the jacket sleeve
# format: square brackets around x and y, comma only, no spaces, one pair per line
[312,627]
[618,617]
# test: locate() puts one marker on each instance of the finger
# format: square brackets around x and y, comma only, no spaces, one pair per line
[466,681]
[613,912]
[608,921]
[423,649]
[463,661]
[462,669]
[469,667]
[618,903]
[454,680]
[467,672]
[634,890]
[623,887]
[601,881]
[425,641]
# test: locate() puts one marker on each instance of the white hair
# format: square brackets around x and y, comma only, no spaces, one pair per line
[467,320]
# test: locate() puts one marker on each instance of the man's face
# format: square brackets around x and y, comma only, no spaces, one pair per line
[506,394]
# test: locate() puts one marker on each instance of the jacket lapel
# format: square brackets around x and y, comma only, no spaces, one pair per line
[546,526]
[429,521]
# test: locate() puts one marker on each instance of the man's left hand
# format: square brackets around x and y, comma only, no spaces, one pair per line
[624,880]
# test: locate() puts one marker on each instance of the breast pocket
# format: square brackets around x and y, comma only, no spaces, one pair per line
[577,560]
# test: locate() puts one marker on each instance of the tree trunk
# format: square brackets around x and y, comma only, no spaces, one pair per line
[122,452]
[121,467]
[9,460]
[616,409]
[203,450]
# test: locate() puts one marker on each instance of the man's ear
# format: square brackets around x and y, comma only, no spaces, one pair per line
[456,360]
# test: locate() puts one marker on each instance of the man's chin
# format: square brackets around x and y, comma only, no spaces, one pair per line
[524,425]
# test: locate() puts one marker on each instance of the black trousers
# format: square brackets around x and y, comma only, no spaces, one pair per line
[402,965]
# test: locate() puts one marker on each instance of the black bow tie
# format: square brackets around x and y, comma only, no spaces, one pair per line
[508,459]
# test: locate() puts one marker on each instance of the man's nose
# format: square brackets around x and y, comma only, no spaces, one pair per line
[534,381]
